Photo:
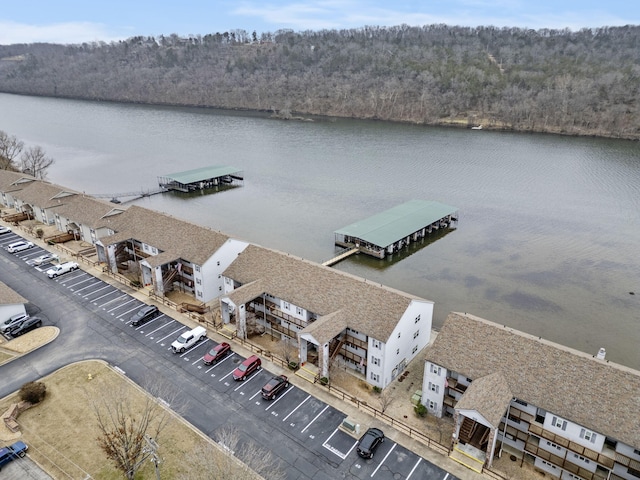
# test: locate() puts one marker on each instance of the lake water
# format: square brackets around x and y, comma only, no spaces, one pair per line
[548,240]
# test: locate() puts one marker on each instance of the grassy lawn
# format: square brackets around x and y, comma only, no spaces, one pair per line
[61,431]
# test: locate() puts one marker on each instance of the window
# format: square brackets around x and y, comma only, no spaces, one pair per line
[198,281]
[299,310]
[434,388]
[375,361]
[580,457]
[375,377]
[588,435]
[553,445]
[417,319]
[376,344]
[559,423]
[218,262]
[435,369]
[415,349]
[415,335]
[637,452]
[197,268]
[635,473]
[399,334]
[524,404]
[397,351]
[513,418]
[433,405]
[286,305]
[220,289]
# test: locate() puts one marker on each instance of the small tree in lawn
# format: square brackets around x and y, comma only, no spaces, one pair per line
[33,392]
[124,424]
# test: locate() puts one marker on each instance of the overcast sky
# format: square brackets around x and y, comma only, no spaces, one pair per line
[77,21]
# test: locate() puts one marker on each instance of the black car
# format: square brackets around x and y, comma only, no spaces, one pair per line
[26,326]
[274,387]
[145,314]
[369,442]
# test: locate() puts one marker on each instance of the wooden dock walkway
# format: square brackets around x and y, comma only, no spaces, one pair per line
[341,257]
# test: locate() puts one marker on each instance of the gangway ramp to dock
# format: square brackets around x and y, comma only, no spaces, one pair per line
[341,257]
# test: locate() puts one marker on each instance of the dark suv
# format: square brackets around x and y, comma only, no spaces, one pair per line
[26,326]
[369,442]
[247,367]
[145,314]
[274,387]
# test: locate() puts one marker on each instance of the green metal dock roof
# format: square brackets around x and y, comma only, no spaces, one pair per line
[204,173]
[398,222]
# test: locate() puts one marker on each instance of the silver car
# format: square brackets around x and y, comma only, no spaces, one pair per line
[13,322]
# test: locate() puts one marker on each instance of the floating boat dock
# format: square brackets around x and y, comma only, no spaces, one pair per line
[202,178]
[394,229]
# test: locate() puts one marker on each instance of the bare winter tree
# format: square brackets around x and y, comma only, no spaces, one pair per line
[10,148]
[34,162]
[287,349]
[126,426]
[385,399]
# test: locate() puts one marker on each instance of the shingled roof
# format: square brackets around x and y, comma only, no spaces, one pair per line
[597,394]
[44,194]
[490,396]
[178,238]
[89,211]
[11,181]
[371,308]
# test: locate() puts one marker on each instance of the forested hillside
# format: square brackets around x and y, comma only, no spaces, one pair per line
[576,83]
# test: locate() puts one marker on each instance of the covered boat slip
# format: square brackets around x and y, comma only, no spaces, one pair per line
[202,178]
[393,229]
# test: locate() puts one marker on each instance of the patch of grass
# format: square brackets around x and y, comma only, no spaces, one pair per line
[61,431]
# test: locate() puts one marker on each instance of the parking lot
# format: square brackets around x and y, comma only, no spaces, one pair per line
[295,413]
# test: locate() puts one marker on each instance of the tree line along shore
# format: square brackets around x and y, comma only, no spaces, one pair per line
[553,81]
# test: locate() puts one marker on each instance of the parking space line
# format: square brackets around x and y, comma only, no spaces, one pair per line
[146,324]
[226,375]
[119,306]
[64,279]
[385,457]
[279,398]
[242,384]
[416,466]
[89,286]
[220,362]
[193,348]
[103,305]
[299,405]
[82,281]
[160,327]
[316,417]
[172,333]
[137,307]
[106,285]
[334,450]
[255,395]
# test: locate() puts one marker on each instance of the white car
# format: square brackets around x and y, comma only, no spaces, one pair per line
[4,229]
[19,246]
[46,258]
[61,269]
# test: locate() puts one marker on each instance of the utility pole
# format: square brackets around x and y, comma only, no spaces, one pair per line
[152,449]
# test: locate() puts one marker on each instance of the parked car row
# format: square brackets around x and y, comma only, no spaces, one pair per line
[19,324]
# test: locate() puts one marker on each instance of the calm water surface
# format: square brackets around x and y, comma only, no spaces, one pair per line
[548,240]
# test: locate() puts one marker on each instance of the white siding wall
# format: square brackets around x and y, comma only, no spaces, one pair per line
[213,284]
[574,432]
[433,388]
[410,335]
